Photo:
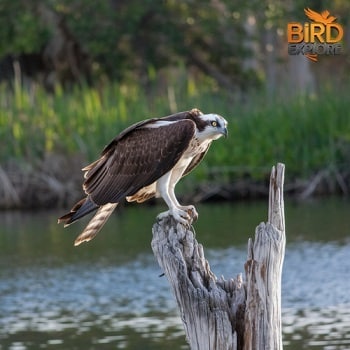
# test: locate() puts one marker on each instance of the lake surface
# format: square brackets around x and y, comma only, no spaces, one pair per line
[107,294]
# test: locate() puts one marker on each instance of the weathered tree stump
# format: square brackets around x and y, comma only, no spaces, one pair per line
[228,314]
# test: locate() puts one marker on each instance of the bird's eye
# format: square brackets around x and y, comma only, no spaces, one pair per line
[214,123]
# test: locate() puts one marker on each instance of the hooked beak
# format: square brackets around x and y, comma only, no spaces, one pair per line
[224,132]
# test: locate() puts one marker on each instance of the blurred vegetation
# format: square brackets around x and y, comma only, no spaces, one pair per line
[309,133]
[128,40]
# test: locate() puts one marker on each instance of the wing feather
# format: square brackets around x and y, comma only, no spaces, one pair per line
[137,159]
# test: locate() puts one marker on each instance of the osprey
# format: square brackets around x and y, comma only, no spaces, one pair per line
[145,160]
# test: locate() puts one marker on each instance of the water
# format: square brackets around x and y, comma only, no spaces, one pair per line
[107,294]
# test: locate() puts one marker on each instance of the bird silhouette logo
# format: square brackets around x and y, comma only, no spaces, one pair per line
[323,17]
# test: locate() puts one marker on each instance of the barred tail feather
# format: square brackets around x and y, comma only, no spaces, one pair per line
[96,223]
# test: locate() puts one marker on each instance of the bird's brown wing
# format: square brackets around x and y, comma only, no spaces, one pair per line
[140,157]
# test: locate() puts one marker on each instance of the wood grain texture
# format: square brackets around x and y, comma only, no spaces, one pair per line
[228,314]
[263,324]
[210,308]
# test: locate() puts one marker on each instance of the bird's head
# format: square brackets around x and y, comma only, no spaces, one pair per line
[213,126]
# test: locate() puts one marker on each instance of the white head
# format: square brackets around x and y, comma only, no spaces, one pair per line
[212,126]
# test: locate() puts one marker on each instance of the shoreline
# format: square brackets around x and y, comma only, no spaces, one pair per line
[56,182]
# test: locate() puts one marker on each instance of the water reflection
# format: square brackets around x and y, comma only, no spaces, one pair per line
[108,294]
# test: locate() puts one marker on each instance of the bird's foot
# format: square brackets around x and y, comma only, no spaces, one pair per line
[191,211]
[179,215]
[183,214]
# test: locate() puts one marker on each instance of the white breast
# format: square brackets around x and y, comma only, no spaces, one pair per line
[196,147]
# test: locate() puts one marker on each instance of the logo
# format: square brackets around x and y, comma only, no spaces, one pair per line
[321,36]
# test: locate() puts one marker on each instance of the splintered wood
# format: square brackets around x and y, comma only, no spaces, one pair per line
[228,314]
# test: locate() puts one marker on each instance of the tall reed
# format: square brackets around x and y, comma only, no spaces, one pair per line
[307,133]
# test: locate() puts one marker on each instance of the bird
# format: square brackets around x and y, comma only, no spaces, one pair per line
[323,17]
[146,160]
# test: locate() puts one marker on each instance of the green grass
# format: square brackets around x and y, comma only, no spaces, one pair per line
[306,133]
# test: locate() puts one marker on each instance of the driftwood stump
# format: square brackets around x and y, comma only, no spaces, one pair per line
[234,313]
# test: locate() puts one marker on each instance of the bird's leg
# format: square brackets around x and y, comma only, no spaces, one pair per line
[167,193]
[189,209]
